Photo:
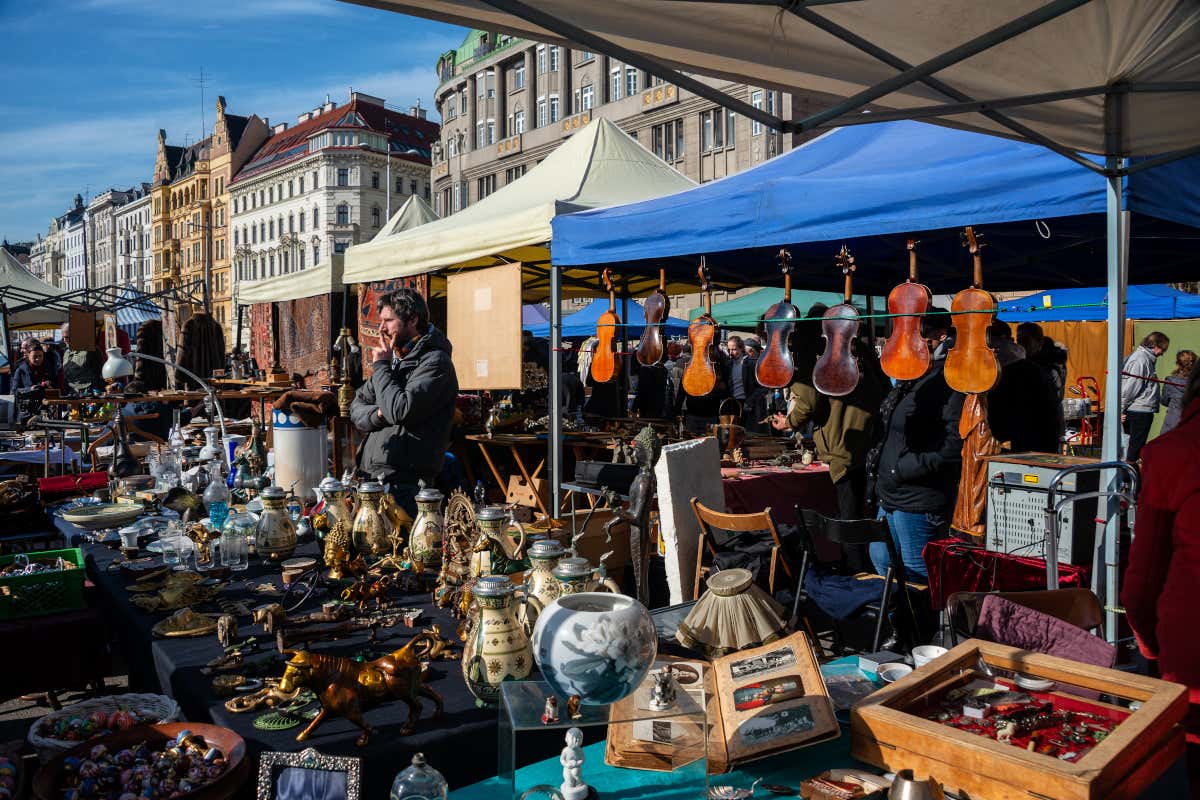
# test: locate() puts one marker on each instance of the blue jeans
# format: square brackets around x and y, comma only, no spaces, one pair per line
[911,531]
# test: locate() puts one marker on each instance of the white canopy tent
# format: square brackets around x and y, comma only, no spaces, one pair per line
[19,286]
[414,213]
[324,278]
[598,166]
[1118,78]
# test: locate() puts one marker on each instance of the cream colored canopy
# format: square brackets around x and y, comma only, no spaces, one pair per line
[598,166]
[413,213]
[19,286]
[323,278]
[1148,46]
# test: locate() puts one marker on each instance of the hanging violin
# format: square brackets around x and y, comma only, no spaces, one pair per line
[776,367]
[658,306]
[700,376]
[905,356]
[836,373]
[604,362]
[971,366]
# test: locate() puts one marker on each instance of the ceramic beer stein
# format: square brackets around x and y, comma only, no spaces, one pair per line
[576,575]
[426,539]
[337,502]
[495,552]
[497,648]
[541,587]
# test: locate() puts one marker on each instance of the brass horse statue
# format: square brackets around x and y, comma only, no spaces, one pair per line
[346,687]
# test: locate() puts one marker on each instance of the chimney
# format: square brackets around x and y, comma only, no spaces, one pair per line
[417,111]
[316,112]
[329,106]
[366,98]
[305,117]
[280,128]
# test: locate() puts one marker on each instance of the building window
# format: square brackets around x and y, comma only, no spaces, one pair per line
[301,220]
[541,112]
[316,253]
[490,81]
[541,59]
[480,86]
[770,102]
[518,126]
[730,128]
[301,254]
[587,97]
[631,81]
[262,231]
[343,214]
[283,261]
[480,136]
[343,176]
[272,263]
[554,53]
[756,100]
[512,173]
[399,185]
[375,217]
[706,131]
[412,187]
[614,84]
[667,140]
[271,228]
[316,218]
[519,75]
[340,246]
[375,179]
[462,101]
[270,194]
[485,186]
[451,105]
[553,108]
[457,197]
[585,56]
[491,131]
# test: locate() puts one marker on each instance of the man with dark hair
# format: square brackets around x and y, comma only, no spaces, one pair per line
[1024,406]
[407,408]
[915,467]
[1140,391]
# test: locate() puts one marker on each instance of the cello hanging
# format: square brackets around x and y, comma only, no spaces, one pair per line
[658,306]
[776,367]
[604,361]
[700,376]
[905,356]
[836,373]
[971,366]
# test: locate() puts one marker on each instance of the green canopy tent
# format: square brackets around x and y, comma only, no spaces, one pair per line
[743,313]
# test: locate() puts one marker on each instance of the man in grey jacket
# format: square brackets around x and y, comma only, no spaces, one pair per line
[407,407]
[1139,391]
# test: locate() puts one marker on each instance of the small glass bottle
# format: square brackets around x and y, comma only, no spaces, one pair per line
[237,540]
[216,496]
[419,782]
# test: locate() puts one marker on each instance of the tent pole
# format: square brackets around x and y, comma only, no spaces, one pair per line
[556,404]
[1104,574]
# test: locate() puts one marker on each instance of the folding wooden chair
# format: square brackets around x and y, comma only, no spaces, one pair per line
[739,525]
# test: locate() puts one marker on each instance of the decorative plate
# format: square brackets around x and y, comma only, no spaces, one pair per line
[103,515]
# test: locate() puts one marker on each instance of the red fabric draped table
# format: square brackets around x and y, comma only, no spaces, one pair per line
[955,566]
[752,489]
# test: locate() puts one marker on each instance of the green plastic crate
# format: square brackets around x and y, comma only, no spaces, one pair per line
[44,593]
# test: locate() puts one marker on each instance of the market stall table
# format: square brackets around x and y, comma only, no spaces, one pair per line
[781,488]
[518,444]
[956,566]
[173,667]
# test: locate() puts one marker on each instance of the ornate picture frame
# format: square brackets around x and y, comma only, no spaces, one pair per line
[292,767]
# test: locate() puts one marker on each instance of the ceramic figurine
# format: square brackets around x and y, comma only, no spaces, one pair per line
[346,687]
[662,691]
[550,712]
[596,645]
[426,538]
[496,649]
[573,707]
[573,787]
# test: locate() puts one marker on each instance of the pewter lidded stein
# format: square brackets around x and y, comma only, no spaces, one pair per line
[496,649]
[576,575]
[370,530]
[425,543]
[541,587]
[275,537]
[335,494]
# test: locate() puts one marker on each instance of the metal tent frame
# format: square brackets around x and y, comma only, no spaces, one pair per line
[103,298]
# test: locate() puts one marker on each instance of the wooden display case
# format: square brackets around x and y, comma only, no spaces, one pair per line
[887,733]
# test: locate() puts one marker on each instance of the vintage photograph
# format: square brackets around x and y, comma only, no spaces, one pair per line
[768,692]
[776,725]
[760,664]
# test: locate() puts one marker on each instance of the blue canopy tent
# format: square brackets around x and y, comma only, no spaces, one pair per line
[1152,301]
[873,186]
[534,314]
[136,308]
[583,322]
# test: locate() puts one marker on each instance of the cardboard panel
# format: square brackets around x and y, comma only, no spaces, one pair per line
[483,321]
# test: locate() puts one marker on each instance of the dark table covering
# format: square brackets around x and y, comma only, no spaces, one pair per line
[463,743]
[59,640]
[780,489]
[955,566]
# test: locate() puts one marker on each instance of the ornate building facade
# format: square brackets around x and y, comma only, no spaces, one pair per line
[134,260]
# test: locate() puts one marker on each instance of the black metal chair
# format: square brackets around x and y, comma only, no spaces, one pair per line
[894,599]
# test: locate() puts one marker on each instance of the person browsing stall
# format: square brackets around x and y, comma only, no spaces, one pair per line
[407,407]
[1140,391]
[1174,387]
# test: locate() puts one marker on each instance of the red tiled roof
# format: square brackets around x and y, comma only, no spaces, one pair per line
[410,138]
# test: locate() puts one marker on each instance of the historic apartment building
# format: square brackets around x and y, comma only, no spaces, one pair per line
[134,261]
[325,183]
[102,235]
[48,256]
[190,207]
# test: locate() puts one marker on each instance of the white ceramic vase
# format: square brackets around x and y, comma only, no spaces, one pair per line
[300,454]
[595,645]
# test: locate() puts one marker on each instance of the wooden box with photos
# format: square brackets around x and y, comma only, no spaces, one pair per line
[988,720]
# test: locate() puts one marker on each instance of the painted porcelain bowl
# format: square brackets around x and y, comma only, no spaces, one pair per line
[596,645]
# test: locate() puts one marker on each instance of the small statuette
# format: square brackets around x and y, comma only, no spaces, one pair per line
[573,787]
[662,690]
[227,629]
[573,707]
[550,712]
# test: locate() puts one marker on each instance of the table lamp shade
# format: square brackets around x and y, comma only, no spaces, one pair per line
[116,366]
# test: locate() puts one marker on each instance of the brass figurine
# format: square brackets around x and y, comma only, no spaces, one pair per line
[203,538]
[338,550]
[345,687]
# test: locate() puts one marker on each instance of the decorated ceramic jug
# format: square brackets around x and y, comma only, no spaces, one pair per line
[275,536]
[541,587]
[495,552]
[370,531]
[576,575]
[426,539]
[497,648]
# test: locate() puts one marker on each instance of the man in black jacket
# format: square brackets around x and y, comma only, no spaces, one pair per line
[915,466]
[407,407]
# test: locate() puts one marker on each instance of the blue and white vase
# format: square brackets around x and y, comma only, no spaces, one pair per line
[597,646]
[301,454]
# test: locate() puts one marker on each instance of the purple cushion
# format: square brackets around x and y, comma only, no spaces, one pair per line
[1010,623]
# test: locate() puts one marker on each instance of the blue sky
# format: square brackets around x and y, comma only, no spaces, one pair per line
[88,83]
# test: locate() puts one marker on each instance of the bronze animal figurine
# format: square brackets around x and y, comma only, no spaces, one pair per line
[367,589]
[346,687]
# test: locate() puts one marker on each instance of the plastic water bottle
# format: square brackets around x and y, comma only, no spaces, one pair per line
[216,497]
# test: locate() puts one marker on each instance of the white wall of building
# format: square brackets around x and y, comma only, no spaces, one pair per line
[75,255]
[134,258]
